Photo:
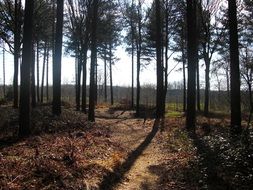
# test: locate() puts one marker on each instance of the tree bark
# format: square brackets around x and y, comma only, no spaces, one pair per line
[84,79]
[166,58]
[33,89]
[234,70]
[24,111]
[159,69]
[138,45]
[111,86]
[56,108]
[91,114]
[132,44]
[78,82]
[17,37]
[192,61]
[47,70]
[198,88]
[4,93]
[207,86]
[38,74]
[105,77]
[43,72]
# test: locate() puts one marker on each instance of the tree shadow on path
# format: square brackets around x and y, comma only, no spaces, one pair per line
[111,179]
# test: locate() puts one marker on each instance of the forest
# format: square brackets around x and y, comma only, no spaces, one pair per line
[195,133]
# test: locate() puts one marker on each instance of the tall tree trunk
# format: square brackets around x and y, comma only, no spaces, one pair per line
[17,38]
[198,88]
[105,77]
[228,82]
[4,93]
[138,84]
[132,44]
[192,61]
[159,69]
[138,45]
[96,81]
[43,72]
[84,79]
[56,108]
[234,69]
[78,82]
[184,73]
[47,70]
[53,45]
[184,85]
[166,58]
[33,89]
[111,86]
[38,73]
[207,86]
[24,110]
[91,114]
[251,103]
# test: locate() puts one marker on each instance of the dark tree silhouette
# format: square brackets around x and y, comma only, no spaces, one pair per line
[57,60]
[91,114]
[24,111]
[192,54]
[234,69]
[159,69]
[17,44]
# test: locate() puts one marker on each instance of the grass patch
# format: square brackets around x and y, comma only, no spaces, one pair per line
[172,113]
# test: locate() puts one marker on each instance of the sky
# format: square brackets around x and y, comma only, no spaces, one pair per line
[121,69]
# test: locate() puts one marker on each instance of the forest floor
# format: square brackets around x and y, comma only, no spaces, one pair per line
[120,151]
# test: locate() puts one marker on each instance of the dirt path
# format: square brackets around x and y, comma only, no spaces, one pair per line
[143,154]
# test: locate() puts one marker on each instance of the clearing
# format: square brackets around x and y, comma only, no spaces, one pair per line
[120,152]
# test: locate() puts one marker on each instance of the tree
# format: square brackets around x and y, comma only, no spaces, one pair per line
[24,110]
[159,71]
[78,32]
[138,50]
[91,114]
[234,69]
[192,56]
[4,90]
[11,16]
[178,41]
[210,35]
[130,17]
[17,44]
[57,60]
